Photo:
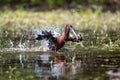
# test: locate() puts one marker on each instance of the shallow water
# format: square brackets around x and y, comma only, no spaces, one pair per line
[70,65]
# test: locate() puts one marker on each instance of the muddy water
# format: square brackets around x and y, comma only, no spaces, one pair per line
[84,65]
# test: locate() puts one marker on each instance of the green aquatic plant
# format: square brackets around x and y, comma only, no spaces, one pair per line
[73,59]
[97,28]
[12,73]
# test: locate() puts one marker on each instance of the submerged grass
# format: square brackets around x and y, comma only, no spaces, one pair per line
[99,29]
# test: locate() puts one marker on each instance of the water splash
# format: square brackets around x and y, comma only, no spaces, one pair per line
[31,45]
[20,45]
[56,31]
[44,45]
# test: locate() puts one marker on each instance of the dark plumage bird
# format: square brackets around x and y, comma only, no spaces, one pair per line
[55,43]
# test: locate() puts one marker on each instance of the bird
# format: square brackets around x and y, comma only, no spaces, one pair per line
[56,43]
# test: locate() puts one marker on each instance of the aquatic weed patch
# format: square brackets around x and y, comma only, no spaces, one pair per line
[99,30]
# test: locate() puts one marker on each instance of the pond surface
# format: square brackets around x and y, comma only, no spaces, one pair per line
[70,65]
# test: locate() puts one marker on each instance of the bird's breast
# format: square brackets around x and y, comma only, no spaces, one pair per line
[60,41]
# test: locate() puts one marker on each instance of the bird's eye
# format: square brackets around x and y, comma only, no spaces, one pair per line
[70,26]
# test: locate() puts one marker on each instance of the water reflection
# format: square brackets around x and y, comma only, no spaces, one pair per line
[114,74]
[56,66]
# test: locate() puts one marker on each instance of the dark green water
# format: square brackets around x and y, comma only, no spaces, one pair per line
[84,65]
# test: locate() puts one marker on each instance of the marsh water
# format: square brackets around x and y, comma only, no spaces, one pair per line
[68,65]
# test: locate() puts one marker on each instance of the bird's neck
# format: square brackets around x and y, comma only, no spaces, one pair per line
[66,33]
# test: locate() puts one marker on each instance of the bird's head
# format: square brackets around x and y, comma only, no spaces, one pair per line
[77,38]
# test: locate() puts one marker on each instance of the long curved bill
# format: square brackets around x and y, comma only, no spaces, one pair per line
[73,32]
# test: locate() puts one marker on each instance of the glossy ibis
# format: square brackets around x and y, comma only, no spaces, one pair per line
[55,43]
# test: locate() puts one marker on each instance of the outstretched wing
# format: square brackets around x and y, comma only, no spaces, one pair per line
[44,35]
